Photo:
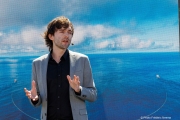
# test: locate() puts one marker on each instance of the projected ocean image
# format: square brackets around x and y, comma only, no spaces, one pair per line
[131,86]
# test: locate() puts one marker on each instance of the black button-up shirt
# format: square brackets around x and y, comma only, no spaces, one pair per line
[58,89]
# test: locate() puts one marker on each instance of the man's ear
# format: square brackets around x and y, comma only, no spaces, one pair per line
[51,37]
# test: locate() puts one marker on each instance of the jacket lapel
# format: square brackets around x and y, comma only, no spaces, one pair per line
[72,67]
[44,72]
[72,63]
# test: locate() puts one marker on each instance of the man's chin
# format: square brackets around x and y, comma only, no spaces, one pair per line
[64,47]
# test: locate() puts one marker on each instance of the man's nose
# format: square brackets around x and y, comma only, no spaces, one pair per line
[66,34]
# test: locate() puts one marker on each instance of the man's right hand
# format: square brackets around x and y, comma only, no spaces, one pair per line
[32,94]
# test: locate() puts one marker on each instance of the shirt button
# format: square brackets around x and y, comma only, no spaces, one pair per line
[59,85]
[58,108]
[58,96]
[59,75]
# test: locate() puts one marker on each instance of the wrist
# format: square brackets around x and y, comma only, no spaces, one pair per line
[35,98]
[77,90]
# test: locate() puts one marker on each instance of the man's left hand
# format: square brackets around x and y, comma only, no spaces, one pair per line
[74,83]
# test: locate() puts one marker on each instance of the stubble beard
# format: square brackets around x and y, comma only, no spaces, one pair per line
[60,46]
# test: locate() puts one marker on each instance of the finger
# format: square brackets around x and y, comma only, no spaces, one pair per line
[68,77]
[28,95]
[78,81]
[25,90]
[74,77]
[77,78]
[33,85]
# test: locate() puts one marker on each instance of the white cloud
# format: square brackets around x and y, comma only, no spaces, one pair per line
[3,51]
[80,33]
[11,39]
[145,44]
[32,35]
[29,39]
[27,36]
[103,44]
[1,34]
[94,32]
[103,37]
[125,42]
[128,42]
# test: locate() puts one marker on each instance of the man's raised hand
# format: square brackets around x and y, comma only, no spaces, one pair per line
[32,94]
[74,83]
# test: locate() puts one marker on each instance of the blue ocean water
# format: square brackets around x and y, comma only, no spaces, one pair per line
[130,86]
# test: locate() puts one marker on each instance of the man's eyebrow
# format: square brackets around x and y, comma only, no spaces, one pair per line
[61,29]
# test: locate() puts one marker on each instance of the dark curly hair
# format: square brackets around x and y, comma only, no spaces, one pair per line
[53,26]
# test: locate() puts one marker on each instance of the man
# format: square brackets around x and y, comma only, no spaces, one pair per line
[62,79]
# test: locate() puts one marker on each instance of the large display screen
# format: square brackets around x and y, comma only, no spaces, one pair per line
[132,45]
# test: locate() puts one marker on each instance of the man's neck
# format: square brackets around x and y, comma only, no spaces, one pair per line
[57,54]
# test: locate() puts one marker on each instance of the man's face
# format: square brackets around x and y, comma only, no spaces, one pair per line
[62,38]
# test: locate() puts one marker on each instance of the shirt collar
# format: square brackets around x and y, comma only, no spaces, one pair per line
[65,55]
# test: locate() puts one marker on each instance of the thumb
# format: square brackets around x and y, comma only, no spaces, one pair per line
[68,77]
[33,85]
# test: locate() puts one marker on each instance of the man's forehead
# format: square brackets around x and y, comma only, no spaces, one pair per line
[63,28]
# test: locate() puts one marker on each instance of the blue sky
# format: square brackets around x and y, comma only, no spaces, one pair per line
[100,26]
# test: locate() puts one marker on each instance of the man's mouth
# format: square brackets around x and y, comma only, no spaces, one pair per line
[66,41]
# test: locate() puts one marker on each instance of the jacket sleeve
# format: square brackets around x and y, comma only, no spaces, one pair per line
[34,77]
[88,89]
